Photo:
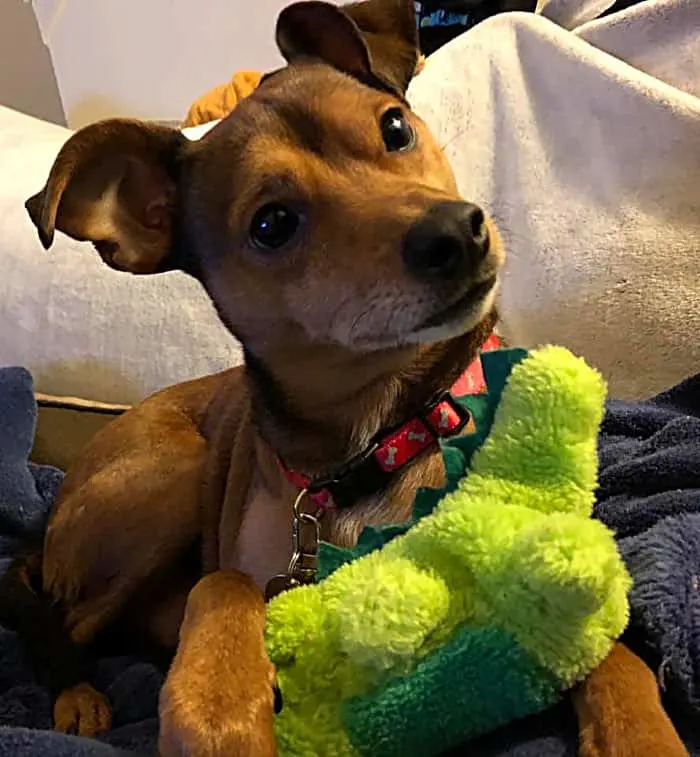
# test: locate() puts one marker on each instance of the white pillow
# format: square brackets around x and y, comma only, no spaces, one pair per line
[81,328]
[585,148]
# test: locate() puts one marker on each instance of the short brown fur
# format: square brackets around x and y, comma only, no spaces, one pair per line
[335,350]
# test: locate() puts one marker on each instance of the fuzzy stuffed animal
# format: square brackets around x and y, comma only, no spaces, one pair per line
[221,100]
[499,595]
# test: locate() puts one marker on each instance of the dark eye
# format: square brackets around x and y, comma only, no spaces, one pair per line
[397,133]
[273,226]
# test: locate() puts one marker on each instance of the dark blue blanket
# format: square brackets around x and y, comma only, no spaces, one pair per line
[649,493]
[26,493]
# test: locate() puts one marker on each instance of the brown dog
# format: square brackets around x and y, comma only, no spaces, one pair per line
[325,223]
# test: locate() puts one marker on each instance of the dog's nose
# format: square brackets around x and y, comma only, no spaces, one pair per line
[450,239]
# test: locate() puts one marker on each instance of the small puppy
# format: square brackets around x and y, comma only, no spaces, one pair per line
[326,226]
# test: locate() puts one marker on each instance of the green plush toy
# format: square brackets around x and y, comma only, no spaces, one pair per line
[500,594]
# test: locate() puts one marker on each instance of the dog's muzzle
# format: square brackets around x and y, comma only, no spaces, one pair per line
[449,242]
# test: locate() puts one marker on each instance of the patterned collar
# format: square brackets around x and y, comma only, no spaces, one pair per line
[388,452]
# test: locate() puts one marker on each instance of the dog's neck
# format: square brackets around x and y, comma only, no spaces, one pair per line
[320,405]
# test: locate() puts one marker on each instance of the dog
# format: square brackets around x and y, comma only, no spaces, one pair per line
[325,224]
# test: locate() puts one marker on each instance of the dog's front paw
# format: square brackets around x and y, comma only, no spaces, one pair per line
[188,730]
[83,711]
[620,712]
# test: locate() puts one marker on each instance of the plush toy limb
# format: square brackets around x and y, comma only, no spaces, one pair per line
[409,717]
[386,626]
[555,583]
[560,590]
[543,441]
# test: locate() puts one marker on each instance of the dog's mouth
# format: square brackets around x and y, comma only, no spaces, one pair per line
[457,317]
[461,307]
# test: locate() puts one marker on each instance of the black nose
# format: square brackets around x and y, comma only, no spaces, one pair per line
[451,239]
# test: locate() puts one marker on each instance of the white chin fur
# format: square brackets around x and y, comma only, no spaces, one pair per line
[454,328]
[458,326]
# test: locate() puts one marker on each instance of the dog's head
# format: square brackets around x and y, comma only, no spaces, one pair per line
[321,211]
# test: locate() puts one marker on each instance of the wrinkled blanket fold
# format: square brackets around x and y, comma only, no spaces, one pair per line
[584,146]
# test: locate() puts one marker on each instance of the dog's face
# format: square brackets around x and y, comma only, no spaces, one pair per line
[320,211]
[341,217]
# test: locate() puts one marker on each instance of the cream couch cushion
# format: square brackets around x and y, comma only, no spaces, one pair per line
[81,328]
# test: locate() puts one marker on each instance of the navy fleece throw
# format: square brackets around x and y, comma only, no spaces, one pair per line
[649,493]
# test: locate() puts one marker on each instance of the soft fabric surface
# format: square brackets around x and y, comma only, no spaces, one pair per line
[419,638]
[585,147]
[82,329]
[222,99]
[26,493]
[650,489]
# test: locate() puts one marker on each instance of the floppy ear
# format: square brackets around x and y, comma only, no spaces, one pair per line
[114,183]
[374,41]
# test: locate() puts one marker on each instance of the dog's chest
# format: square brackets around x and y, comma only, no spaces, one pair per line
[264,544]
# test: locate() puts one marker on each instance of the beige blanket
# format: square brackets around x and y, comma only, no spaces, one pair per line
[585,146]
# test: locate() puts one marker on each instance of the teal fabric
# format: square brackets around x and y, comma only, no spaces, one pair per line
[507,684]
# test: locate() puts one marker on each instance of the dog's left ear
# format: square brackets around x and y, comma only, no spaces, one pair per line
[374,41]
[114,183]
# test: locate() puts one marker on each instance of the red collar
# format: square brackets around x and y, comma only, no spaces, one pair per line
[388,452]
[392,449]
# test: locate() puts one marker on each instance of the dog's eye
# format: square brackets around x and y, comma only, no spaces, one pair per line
[273,226]
[397,133]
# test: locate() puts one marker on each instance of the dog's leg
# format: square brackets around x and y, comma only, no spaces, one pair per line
[620,712]
[127,516]
[58,662]
[218,698]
